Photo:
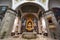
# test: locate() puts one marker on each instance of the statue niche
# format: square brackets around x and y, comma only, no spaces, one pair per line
[29,25]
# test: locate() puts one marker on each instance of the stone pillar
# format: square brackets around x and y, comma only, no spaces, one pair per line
[7,23]
[15,25]
[17,22]
[57,31]
[49,14]
[19,28]
[47,27]
[39,27]
[44,29]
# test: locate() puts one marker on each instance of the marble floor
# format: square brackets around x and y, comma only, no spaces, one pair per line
[39,37]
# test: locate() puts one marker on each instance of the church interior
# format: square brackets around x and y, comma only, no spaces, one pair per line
[30,20]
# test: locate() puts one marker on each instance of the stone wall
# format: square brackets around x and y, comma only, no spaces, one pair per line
[54,21]
[6,3]
[54,3]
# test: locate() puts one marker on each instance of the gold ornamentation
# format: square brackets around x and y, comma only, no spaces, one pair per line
[29,25]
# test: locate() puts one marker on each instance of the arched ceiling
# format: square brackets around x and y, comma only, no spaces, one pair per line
[29,16]
[30,7]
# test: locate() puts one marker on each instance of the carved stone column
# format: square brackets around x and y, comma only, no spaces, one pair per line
[7,23]
[48,14]
[19,28]
[57,30]
[39,27]
[15,25]
[44,28]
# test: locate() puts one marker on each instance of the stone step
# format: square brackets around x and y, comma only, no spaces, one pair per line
[39,37]
[26,39]
[29,35]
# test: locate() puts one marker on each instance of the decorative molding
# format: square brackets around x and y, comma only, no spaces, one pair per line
[43,3]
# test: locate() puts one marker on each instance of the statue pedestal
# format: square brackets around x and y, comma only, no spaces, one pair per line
[29,35]
[16,36]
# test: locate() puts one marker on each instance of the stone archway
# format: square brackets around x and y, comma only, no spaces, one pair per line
[30,8]
[25,27]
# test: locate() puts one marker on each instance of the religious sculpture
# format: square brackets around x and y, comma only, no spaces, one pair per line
[29,25]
